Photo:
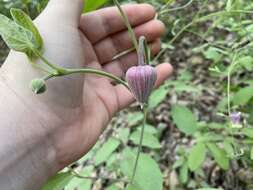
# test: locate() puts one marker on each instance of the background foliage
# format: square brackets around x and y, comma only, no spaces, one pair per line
[190,141]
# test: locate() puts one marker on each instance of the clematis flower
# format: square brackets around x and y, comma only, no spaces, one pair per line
[141,79]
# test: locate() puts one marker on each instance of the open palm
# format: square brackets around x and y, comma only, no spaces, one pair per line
[79,107]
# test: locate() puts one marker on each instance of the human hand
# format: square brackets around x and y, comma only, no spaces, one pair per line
[75,109]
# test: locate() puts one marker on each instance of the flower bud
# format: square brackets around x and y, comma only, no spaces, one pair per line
[38,86]
[141,80]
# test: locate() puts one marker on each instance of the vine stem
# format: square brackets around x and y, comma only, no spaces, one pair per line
[199,20]
[230,69]
[145,111]
[76,174]
[96,72]
[177,8]
[60,71]
[127,23]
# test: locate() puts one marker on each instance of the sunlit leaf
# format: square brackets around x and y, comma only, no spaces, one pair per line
[15,36]
[219,155]
[149,140]
[25,21]
[197,156]
[184,119]
[58,182]
[91,5]
[148,175]
[106,150]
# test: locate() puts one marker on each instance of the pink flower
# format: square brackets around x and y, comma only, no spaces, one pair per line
[141,80]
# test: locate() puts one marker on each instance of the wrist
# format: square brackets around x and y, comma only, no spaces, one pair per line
[26,148]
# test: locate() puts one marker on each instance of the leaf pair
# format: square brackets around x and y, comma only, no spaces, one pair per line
[20,34]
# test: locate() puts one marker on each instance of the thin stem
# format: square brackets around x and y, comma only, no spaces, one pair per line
[127,23]
[37,53]
[97,72]
[145,111]
[76,174]
[177,8]
[47,77]
[230,69]
[204,18]
[59,71]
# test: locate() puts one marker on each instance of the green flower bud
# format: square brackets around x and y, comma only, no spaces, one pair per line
[38,86]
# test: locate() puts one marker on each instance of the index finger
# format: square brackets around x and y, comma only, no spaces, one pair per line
[107,21]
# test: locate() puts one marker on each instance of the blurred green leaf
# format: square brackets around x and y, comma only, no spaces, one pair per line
[149,129]
[248,132]
[106,150]
[81,184]
[134,118]
[197,156]
[58,182]
[112,187]
[157,96]
[184,119]
[209,189]
[219,155]
[123,134]
[183,173]
[91,5]
[251,153]
[228,148]
[149,140]
[243,96]
[148,175]
[246,62]
[212,53]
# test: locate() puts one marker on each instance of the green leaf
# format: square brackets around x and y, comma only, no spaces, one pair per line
[248,132]
[149,129]
[148,175]
[106,150]
[134,118]
[149,140]
[91,5]
[123,134]
[58,182]
[251,153]
[209,189]
[112,187]
[213,53]
[246,62]
[157,96]
[82,184]
[25,21]
[184,119]
[228,148]
[243,96]
[219,155]
[183,173]
[16,37]
[229,5]
[197,156]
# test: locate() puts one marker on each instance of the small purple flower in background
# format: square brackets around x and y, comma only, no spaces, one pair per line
[141,80]
[235,118]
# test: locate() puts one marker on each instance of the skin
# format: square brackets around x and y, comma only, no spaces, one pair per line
[41,134]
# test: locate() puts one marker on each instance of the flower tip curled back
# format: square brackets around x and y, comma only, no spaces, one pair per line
[141,80]
[38,86]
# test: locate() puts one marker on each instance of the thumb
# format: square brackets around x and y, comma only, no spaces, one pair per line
[66,11]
